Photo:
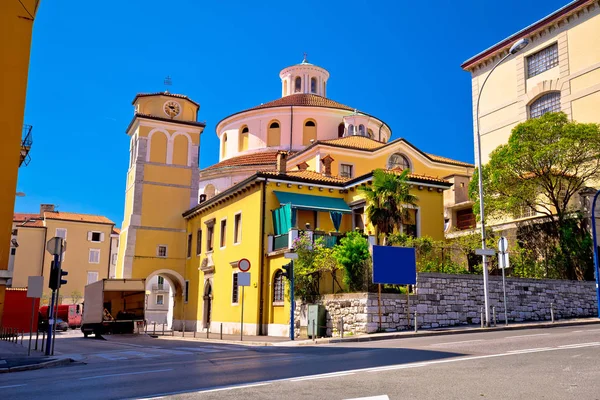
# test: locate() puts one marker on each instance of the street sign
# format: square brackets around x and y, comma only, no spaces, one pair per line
[56,246]
[503,261]
[243,278]
[35,286]
[485,252]
[244,265]
[291,256]
[503,245]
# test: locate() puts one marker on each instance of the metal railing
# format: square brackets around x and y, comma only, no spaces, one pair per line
[26,142]
[280,241]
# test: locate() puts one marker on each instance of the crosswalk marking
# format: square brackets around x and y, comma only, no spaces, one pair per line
[154,352]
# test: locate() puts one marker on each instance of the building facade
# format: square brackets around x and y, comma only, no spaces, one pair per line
[16,25]
[290,165]
[558,71]
[86,259]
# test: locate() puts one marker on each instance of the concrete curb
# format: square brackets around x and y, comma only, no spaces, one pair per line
[219,341]
[445,332]
[45,364]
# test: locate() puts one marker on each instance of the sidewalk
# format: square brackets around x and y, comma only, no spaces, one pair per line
[13,358]
[455,330]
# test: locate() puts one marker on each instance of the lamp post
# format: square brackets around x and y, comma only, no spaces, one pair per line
[515,48]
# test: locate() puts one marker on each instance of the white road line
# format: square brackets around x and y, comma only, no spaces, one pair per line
[126,373]
[576,331]
[200,349]
[322,376]
[530,350]
[526,336]
[575,346]
[12,386]
[215,389]
[382,397]
[462,341]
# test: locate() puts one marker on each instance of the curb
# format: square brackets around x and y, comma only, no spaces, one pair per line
[219,341]
[45,364]
[450,331]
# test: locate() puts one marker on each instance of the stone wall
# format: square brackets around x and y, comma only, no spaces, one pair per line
[447,300]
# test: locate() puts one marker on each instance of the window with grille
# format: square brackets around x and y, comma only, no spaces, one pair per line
[346,171]
[543,60]
[234,289]
[550,102]
[398,161]
[161,251]
[278,287]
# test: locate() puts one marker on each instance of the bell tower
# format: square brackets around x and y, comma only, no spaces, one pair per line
[162,183]
[304,78]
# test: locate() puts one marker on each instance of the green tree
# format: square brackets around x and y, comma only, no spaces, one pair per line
[306,271]
[545,163]
[352,254]
[76,296]
[388,201]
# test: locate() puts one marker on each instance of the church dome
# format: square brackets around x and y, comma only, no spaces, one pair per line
[304,78]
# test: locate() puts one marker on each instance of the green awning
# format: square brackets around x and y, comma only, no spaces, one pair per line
[313,203]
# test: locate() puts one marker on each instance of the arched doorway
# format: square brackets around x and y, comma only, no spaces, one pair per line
[163,292]
[206,315]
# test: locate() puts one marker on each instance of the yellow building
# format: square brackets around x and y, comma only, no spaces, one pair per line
[87,258]
[558,71]
[303,154]
[162,182]
[16,24]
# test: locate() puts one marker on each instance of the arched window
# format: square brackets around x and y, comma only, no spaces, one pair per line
[209,191]
[341,128]
[550,102]
[224,146]
[309,132]
[370,134]
[398,161]
[350,130]
[278,287]
[361,130]
[274,134]
[313,85]
[243,139]
[298,84]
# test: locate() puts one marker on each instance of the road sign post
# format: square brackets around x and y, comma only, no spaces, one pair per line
[35,288]
[503,249]
[55,246]
[243,281]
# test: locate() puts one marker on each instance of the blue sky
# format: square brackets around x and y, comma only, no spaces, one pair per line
[397,60]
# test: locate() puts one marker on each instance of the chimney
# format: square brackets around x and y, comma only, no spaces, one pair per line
[303,166]
[46,208]
[282,162]
[327,161]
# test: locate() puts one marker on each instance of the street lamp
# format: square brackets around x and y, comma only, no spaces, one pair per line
[515,48]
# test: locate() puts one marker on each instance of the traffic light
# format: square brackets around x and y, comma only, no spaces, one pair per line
[53,282]
[56,274]
[288,271]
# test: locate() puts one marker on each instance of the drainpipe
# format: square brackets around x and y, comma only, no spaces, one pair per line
[43,251]
[291,124]
[262,260]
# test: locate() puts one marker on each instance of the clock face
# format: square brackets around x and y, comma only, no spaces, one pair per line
[172,108]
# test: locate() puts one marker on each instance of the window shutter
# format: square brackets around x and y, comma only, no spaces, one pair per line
[102,237]
[89,236]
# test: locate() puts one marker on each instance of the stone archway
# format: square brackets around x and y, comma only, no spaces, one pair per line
[164,289]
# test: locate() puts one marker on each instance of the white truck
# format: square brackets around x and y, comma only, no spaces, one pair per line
[113,306]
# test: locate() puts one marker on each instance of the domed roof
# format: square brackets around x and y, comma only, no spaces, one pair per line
[303,99]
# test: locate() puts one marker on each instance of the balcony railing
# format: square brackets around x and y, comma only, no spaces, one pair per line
[280,241]
[283,241]
[160,286]
[26,142]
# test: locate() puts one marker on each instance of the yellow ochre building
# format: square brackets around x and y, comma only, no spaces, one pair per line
[287,166]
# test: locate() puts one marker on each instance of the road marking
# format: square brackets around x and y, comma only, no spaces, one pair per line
[577,331]
[530,350]
[372,370]
[12,386]
[462,341]
[382,397]
[126,373]
[526,336]
[322,376]
[199,349]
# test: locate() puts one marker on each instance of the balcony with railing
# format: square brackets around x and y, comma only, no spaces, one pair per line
[286,241]
[160,287]
[26,142]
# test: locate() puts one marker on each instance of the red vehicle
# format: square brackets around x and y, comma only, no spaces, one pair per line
[70,313]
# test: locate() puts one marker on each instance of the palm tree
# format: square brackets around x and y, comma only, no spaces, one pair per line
[388,201]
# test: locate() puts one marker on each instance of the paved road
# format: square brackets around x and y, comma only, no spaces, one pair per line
[556,363]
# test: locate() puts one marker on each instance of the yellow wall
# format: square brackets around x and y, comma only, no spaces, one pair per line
[154,105]
[15,42]
[158,148]
[29,255]
[249,205]
[584,52]
[273,135]
[76,260]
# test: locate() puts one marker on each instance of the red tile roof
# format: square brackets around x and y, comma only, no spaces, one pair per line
[307,176]
[36,223]
[116,231]
[165,93]
[22,217]
[355,142]
[262,158]
[449,160]
[303,99]
[68,216]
